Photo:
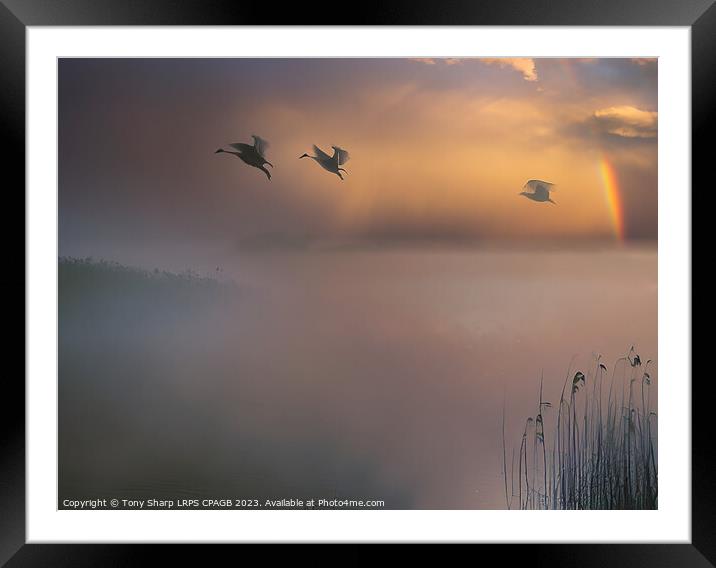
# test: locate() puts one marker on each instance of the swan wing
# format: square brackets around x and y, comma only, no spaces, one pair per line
[541,192]
[260,145]
[533,185]
[320,154]
[241,147]
[341,155]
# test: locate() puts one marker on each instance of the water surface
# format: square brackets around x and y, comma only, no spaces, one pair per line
[366,374]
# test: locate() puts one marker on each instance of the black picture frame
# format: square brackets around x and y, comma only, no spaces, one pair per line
[17,15]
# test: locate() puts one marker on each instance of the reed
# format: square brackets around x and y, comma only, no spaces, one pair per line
[602,452]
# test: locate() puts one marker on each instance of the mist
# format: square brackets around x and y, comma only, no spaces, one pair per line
[368,374]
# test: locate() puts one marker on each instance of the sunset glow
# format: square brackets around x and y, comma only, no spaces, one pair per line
[440,149]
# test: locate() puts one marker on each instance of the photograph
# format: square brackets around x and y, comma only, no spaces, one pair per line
[349,283]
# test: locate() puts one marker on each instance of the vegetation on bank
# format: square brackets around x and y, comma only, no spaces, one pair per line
[103,296]
[600,453]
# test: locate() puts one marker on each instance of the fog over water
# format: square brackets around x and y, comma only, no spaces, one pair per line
[374,374]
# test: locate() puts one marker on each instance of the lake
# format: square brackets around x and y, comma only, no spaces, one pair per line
[351,373]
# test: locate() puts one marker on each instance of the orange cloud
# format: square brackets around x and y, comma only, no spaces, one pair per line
[524,65]
[436,60]
[628,121]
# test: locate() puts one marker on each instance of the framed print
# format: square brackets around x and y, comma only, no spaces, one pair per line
[422,279]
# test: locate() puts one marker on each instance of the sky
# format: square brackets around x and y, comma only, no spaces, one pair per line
[440,149]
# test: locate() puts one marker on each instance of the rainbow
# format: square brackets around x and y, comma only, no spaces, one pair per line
[613,196]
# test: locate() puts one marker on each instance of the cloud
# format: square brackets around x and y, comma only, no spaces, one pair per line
[524,65]
[627,121]
[436,60]
[643,61]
